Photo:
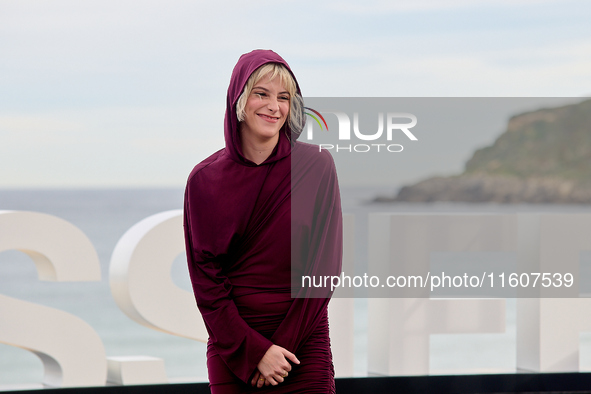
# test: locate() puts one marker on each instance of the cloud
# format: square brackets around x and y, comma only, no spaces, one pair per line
[401,6]
[145,79]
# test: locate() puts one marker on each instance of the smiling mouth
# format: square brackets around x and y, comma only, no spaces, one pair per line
[269,118]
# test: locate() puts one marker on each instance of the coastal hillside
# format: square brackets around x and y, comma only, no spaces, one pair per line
[544,156]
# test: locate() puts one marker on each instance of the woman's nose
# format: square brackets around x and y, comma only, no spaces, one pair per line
[273,104]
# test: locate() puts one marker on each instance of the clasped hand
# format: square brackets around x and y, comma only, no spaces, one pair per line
[273,367]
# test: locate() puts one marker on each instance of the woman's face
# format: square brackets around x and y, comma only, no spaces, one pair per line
[266,110]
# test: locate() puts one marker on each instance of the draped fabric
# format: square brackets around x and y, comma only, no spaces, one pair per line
[251,231]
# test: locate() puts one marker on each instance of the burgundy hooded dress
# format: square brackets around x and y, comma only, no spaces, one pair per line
[251,231]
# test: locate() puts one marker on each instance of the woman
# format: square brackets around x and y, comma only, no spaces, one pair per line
[259,214]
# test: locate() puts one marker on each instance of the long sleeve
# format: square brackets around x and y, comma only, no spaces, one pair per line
[239,346]
[318,242]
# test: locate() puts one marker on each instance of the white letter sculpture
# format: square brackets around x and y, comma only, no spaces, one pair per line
[399,328]
[71,351]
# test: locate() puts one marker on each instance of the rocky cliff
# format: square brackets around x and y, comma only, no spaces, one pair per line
[544,156]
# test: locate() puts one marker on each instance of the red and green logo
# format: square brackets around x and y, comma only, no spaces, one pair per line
[316,118]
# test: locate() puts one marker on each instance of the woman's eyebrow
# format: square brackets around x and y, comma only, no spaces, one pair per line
[267,90]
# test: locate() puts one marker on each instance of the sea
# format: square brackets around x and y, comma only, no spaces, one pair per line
[104,215]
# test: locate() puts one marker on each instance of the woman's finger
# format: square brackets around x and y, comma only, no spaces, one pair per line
[289,355]
[255,378]
[260,381]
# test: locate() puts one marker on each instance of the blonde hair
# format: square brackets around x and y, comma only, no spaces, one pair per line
[296,103]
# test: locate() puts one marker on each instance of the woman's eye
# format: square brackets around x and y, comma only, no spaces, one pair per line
[284,98]
[260,94]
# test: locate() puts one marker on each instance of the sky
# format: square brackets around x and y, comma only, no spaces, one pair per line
[132,93]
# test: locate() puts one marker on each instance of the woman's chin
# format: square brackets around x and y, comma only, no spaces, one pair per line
[267,135]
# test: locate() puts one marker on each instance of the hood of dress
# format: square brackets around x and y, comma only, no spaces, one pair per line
[246,65]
